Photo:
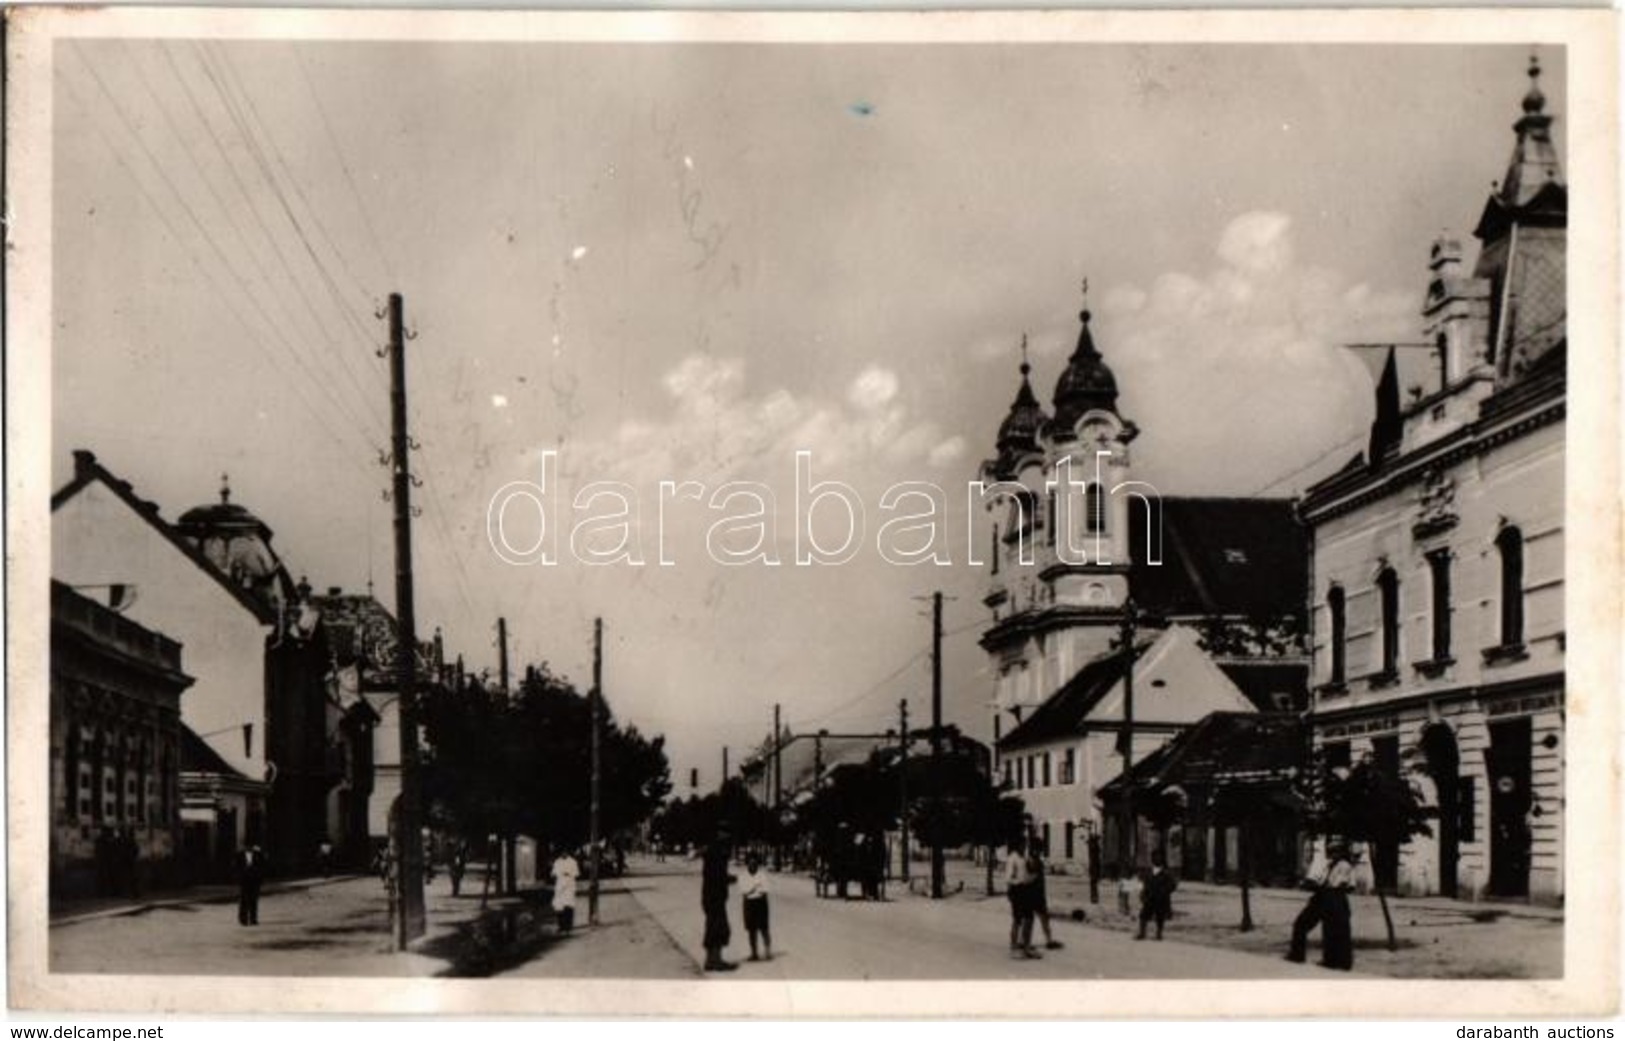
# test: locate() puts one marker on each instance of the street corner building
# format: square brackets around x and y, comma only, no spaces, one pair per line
[1439,553]
[207,623]
[1208,593]
[116,750]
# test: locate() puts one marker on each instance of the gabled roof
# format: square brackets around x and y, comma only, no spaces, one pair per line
[1222,556]
[86,471]
[198,757]
[1062,715]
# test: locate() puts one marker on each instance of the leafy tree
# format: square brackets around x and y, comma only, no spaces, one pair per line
[522,764]
[1368,805]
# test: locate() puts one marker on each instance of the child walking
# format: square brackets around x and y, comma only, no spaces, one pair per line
[753,889]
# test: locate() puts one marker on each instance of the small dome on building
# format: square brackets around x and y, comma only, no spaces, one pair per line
[1018,434]
[1087,385]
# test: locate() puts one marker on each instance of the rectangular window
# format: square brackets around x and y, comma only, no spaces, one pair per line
[1032,771]
[1071,839]
[1338,609]
[1046,769]
[1069,766]
[1439,570]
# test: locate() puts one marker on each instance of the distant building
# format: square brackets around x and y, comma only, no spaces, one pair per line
[363,637]
[1439,556]
[115,750]
[1225,795]
[1075,538]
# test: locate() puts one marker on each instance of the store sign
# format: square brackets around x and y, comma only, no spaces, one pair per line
[1361,726]
[1521,706]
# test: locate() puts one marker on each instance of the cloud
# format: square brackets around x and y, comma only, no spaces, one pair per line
[874,389]
[1236,375]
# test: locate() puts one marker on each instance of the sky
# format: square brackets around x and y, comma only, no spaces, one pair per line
[689,262]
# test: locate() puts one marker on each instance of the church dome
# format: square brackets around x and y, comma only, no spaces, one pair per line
[1086,385]
[223,518]
[1018,434]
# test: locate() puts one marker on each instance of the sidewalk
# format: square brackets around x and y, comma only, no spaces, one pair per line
[86,910]
[1436,938]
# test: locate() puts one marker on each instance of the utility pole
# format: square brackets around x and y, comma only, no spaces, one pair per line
[938,867]
[724,768]
[779,786]
[596,702]
[1127,736]
[409,923]
[902,777]
[502,653]
[818,761]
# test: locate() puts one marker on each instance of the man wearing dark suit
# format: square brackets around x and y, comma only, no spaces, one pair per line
[250,875]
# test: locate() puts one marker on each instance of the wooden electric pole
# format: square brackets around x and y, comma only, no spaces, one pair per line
[938,866]
[409,923]
[724,783]
[778,787]
[597,701]
[1127,736]
[502,653]
[902,778]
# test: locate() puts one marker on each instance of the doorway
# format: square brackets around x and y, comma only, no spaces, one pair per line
[1508,759]
[1444,767]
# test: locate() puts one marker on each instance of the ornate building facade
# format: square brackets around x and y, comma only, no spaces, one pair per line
[115,750]
[1438,557]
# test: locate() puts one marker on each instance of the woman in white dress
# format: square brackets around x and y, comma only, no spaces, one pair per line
[565,873]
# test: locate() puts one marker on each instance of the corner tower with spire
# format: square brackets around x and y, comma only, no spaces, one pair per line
[1061,546]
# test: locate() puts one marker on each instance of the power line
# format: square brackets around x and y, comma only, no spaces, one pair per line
[349,178]
[365,415]
[206,271]
[241,117]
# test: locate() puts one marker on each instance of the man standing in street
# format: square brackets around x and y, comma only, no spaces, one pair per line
[1018,884]
[250,875]
[715,879]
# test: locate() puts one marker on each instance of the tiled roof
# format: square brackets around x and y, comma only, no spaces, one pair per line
[1228,557]
[1223,746]
[1260,681]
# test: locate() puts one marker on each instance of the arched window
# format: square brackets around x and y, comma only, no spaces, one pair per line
[1337,608]
[1510,544]
[1388,596]
[1094,509]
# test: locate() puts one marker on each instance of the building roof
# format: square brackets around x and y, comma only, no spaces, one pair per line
[362,632]
[1224,747]
[1018,434]
[198,757]
[1063,713]
[1221,556]
[1261,680]
[86,471]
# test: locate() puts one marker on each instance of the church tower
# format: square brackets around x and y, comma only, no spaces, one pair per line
[1524,231]
[1060,490]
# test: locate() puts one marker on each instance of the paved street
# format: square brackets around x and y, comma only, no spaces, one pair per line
[651,926]
[910,937]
